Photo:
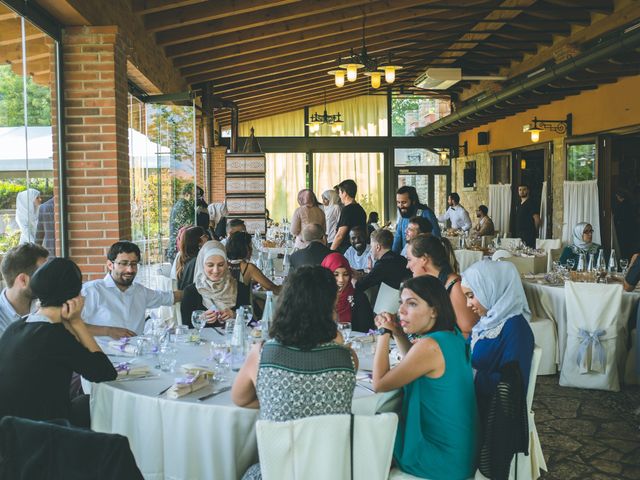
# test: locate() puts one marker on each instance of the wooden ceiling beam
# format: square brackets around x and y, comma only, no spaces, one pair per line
[144,7]
[601,7]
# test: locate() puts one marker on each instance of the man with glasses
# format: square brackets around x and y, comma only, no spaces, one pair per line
[116,300]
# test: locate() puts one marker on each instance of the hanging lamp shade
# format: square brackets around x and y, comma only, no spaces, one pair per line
[339,76]
[390,72]
[375,78]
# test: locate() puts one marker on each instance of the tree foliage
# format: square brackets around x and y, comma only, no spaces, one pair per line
[12,101]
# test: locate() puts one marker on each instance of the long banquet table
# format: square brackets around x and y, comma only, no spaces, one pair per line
[185,438]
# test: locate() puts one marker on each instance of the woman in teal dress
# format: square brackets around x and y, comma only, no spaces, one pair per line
[438,428]
[582,243]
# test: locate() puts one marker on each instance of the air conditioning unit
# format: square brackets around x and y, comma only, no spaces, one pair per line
[438,78]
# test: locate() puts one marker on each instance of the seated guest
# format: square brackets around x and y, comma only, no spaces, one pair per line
[389,268]
[632,278]
[353,305]
[372,223]
[315,251]
[115,300]
[214,289]
[358,254]
[485,224]
[239,250]
[431,256]
[416,226]
[18,265]
[437,432]
[217,220]
[307,213]
[39,354]
[234,225]
[502,335]
[192,239]
[304,370]
[582,243]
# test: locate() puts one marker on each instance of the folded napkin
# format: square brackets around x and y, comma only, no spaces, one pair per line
[194,369]
[185,385]
[126,369]
[124,346]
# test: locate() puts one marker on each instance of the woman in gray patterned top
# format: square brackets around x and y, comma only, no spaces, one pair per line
[304,370]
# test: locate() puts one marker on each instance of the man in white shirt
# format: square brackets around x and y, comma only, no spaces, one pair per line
[115,300]
[234,225]
[456,214]
[18,266]
[358,254]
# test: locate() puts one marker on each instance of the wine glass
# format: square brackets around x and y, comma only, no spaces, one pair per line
[198,320]
[220,356]
[345,330]
[571,264]
[624,264]
[248,314]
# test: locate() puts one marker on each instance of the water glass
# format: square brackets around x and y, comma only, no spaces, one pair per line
[168,358]
[198,320]
[624,264]
[181,334]
[228,331]
[248,314]
[220,355]
[345,330]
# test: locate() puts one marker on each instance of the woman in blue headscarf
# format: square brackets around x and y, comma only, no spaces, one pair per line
[502,335]
[582,243]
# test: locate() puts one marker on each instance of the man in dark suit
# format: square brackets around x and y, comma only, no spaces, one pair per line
[316,249]
[389,268]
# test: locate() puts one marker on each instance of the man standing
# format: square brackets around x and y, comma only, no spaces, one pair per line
[358,253]
[115,300]
[456,214]
[18,266]
[417,226]
[389,268]
[485,224]
[183,213]
[46,229]
[352,215]
[527,217]
[409,206]
[315,251]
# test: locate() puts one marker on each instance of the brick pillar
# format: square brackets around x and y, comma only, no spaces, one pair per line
[96,136]
[217,172]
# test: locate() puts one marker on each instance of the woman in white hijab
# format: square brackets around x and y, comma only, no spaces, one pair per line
[214,289]
[332,208]
[502,335]
[582,243]
[27,205]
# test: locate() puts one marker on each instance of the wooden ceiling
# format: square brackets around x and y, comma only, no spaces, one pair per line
[272,56]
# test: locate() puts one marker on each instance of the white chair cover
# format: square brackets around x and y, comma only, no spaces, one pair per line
[466,258]
[501,254]
[510,243]
[319,447]
[546,338]
[595,351]
[553,248]
[387,299]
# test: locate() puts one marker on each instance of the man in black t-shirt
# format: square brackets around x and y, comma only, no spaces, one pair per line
[527,218]
[352,215]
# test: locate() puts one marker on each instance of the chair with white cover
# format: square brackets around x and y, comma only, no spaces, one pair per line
[387,299]
[546,338]
[319,447]
[552,246]
[466,258]
[595,351]
[500,254]
[510,243]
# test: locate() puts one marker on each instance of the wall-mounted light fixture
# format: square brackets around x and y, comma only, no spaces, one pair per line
[536,127]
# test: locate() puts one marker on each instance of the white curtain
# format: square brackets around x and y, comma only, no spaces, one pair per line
[500,206]
[543,212]
[286,176]
[581,204]
[290,124]
[364,116]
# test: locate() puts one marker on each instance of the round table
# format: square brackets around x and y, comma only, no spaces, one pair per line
[186,438]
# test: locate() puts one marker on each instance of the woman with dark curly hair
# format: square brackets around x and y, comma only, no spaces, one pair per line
[192,239]
[239,251]
[304,370]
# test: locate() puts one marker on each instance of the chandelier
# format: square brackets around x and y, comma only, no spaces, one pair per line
[374,67]
[316,120]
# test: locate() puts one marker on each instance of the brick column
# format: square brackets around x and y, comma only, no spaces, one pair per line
[96,136]
[217,171]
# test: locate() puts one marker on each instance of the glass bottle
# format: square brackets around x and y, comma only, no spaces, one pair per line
[286,262]
[237,340]
[582,260]
[267,316]
[613,264]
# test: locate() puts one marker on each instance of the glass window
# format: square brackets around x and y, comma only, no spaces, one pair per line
[409,112]
[420,157]
[27,204]
[287,174]
[501,169]
[581,161]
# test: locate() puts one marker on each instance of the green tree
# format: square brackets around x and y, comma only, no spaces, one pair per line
[12,104]
[399,107]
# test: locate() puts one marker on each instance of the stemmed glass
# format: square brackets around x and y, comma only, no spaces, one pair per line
[220,356]
[624,264]
[248,314]
[345,330]
[198,320]
[571,264]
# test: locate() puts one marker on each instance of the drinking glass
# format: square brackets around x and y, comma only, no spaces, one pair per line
[228,331]
[198,320]
[571,264]
[181,334]
[220,356]
[345,329]
[624,264]
[248,314]
[168,358]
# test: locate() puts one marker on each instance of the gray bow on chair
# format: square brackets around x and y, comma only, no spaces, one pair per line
[596,362]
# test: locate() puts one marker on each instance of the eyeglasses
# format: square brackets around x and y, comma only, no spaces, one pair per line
[126,264]
[588,231]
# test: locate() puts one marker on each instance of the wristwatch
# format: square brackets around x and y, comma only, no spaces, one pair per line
[383,331]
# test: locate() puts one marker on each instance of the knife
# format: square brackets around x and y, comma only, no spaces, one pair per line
[220,390]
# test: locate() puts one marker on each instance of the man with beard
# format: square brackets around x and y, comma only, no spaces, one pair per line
[115,300]
[18,265]
[358,254]
[409,206]
[527,218]
[485,224]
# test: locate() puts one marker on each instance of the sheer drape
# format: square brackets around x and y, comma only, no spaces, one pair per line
[290,124]
[542,233]
[364,116]
[581,204]
[286,176]
[500,206]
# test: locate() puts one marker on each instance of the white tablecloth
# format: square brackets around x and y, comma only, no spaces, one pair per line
[466,258]
[187,439]
[547,301]
[536,264]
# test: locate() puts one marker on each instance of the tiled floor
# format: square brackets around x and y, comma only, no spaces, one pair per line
[588,434]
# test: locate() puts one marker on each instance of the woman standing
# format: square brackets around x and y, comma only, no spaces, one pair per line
[27,204]
[308,212]
[437,433]
[582,244]
[331,202]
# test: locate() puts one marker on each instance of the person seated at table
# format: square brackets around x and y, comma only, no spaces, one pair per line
[415,227]
[632,277]
[316,247]
[582,243]
[304,370]
[213,289]
[428,255]
[239,251]
[485,224]
[437,432]
[372,223]
[359,253]
[389,268]
[352,305]
[234,225]
[502,335]
[39,353]
[192,239]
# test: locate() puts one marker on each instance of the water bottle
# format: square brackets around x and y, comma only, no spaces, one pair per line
[237,340]
[267,316]
[286,262]
[591,266]
[581,263]
[601,265]
[613,264]
[271,269]
[260,261]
